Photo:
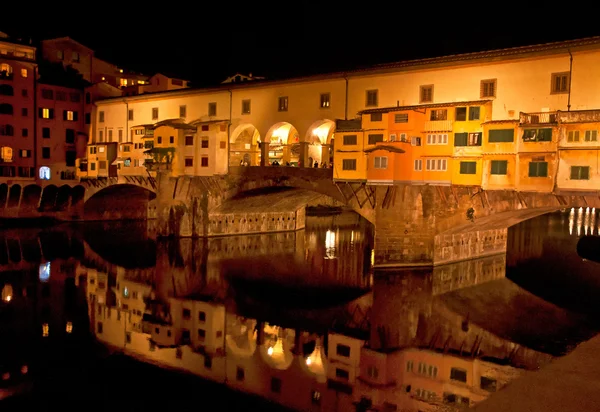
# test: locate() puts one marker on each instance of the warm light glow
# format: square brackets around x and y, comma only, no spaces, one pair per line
[330,244]
[315,360]
[5,376]
[322,132]
[45,330]
[24,369]
[270,351]
[103,78]
[69,327]
[373,257]
[7,293]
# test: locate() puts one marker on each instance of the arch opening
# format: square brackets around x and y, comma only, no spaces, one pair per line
[31,197]
[6,108]
[6,90]
[48,200]
[118,202]
[284,144]
[276,348]
[245,146]
[62,198]
[241,335]
[320,137]
[14,196]
[3,195]
[77,195]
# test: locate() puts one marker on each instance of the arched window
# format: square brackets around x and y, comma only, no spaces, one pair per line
[6,108]
[6,90]
[6,70]
[45,173]
[7,130]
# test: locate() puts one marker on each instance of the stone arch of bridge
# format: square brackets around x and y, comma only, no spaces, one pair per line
[117,201]
[93,188]
[284,143]
[245,145]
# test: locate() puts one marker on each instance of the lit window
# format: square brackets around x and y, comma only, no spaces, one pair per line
[103,78]
[45,330]
[23,72]
[46,113]
[45,173]
[44,272]
[69,327]
[123,82]
[6,153]
[70,115]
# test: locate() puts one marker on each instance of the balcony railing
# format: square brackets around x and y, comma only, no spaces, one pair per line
[579,116]
[538,118]
[438,126]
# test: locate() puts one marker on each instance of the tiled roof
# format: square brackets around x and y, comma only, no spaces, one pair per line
[388,147]
[423,106]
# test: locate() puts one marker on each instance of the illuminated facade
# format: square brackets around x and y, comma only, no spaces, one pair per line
[17,110]
[482,119]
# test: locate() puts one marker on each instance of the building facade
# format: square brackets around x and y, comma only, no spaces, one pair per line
[494,119]
[18,71]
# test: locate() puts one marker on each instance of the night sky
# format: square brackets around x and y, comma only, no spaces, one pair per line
[206,45]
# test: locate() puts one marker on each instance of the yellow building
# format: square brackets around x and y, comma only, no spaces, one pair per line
[499,150]
[349,158]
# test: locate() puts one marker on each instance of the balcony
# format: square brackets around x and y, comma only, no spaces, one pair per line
[579,116]
[539,118]
[438,126]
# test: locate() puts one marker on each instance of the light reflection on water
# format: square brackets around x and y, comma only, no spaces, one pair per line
[297,318]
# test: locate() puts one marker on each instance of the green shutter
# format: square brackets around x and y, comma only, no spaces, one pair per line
[499,167]
[501,136]
[468,168]
[461,139]
[543,168]
[585,172]
[532,169]
[544,135]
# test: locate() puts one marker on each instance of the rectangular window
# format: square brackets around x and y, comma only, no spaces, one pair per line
[468,168]
[70,115]
[560,82]
[24,133]
[101,117]
[46,132]
[439,165]
[155,113]
[130,115]
[499,167]
[538,169]
[61,96]
[47,94]
[342,374]
[46,113]
[488,384]
[437,139]
[537,135]
[212,109]
[70,136]
[415,141]
[350,140]
[457,374]
[204,143]
[372,98]
[349,164]
[189,162]
[438,114]
[45,153]
[418,165]
[474,113]
[401,118]
[246,106]
[591,135]
[283,104]
[325,100]
[580,172]
[183,110]
[88,118]
[189,140]
[501,136]
[204,161]
[375,138]
[24,111]
[487,88]
[380,162]
[460,114]
[376,117]
[426,94]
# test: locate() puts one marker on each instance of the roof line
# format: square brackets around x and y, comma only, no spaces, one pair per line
[70,39]
[422,106]
[464,58]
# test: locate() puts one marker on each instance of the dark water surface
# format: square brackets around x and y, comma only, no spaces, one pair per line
[89,313]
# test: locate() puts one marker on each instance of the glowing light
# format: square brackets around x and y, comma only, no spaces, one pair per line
[330,244]
[45,330]
[5,376]
[308,361]
[24,369]
[69,327]
[44,271]
[270,351]
[7,293]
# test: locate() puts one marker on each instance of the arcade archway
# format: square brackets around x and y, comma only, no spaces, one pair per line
[284,144]
[245,146]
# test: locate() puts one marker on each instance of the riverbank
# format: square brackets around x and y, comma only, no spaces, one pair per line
[569,384]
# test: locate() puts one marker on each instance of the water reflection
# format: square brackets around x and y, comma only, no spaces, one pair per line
[298,318]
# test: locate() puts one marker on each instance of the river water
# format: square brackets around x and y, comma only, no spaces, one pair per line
[104,314]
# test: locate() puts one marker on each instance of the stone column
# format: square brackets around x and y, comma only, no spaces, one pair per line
[297,350]
[325,154]
[287,154]
[264,153]
[304,154]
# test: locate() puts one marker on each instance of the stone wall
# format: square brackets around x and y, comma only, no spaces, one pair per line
[246,223]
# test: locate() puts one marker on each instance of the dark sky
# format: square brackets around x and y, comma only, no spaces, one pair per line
[206,45]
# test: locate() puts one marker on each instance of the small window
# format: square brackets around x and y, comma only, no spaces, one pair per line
[538,169]
[101,117]
[212,109]
[204,161]
[468,168]
[204,128]
[380,162]
[458,374]
[460,114]
[186,313]
[376,117]
[580,172]
[474,113]
[283,104]
[189,140]
[155,113]
[350,140]
[499,167]
[182,111]
[189,162]
[325,100]
[246,106]
[537,135]
[560,82]
[418,165]
[591,135]
[315,397]
[202,316]
[342,374]
[573,136]
[372,98]
[372,372]
[201,334]
[204,143]
[207,362]
[488,384]
[342,350]
[130,115]
[349,164]
[487,88]
[401,118]
[438,114]
[375,138]
[426,94]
